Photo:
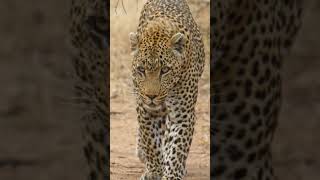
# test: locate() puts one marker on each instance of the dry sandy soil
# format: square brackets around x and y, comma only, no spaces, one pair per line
[123,163]
[40,134]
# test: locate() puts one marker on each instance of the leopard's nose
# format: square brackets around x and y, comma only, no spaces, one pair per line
[151,96]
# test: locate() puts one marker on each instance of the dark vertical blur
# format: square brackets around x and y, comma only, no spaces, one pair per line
[296,146]
[39,128]
[297,140]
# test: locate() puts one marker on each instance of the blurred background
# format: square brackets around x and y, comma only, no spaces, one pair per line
[40,132]
[297,140]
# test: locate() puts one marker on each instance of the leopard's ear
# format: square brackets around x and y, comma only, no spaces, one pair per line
[178,42]
[133,42]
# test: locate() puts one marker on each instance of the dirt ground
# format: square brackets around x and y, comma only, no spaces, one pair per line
[40,132]
[123,162]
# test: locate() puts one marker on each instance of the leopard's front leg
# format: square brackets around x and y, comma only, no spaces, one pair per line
[178,137]
[150,137]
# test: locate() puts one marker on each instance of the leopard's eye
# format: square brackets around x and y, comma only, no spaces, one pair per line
[165,69]
[140,69]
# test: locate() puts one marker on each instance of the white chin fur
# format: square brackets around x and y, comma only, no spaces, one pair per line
[152,108]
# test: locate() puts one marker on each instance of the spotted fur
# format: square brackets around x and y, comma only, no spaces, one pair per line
[89,36]
[168,60]
[250,40]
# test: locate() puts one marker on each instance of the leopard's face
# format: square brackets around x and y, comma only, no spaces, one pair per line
[156,67]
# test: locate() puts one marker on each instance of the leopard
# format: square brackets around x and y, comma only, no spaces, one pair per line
[250,41]
[168,60]
[89,47]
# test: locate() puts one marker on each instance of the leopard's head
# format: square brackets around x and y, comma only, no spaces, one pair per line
[158,58]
